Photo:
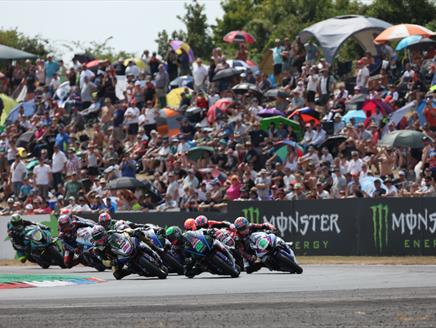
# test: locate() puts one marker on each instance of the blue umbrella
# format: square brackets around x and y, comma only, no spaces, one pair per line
[29,109]
[358,115]
[404,43]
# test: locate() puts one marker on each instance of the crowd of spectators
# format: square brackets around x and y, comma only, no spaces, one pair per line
[74,156]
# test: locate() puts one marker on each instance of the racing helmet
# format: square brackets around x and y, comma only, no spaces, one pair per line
[65,223]
[104,219]
[99,236]
[201,221]
[173,233]
[241,224]
[190,224]
[16,220]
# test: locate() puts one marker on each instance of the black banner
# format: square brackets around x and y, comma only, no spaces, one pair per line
[386,226]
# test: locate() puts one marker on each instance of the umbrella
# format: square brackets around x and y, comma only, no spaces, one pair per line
[168,123]
[239,36]
[223,103]
[24,139]
[226,73]
[370,106]
[178,46]
[29,109]
[283,148]
[367,184]
[274,93]
[199,152]
[307,114]
[14,54]
[31,165]
[138,62]
[333,141]
[182,81]
[216,109]
[401,31]
[174,97]
[403,138]
[8,104]
[269,112]
[93,63]
[247,87]
[266,122]
[125,183]
[358,115]
[415,42]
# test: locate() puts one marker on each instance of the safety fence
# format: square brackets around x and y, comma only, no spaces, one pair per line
[385,226]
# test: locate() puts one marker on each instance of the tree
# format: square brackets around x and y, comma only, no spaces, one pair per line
[15,39]
[419,12]
[197,29]
[162,42]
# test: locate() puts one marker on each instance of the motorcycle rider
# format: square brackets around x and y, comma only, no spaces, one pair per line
[102,241]
[192,265]
[175,235]
[67,227]
[202,222]
[243,231]
[16,233]
[190,225]
[106,221]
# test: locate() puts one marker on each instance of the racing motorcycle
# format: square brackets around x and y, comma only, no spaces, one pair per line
[41,247]
[227,237]
[163,247]
[84,249]
[139,257]
[209,255]
[274,252]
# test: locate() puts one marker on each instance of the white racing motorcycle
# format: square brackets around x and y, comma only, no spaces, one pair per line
[274,252]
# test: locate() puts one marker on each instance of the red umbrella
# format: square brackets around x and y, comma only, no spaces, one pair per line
[221,105]
[93,63]
[239,36]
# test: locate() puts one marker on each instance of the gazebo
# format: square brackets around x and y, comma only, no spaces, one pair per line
[333,32]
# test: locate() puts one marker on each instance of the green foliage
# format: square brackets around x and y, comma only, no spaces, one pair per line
[99,50]
[15,39]
[418,12]
[162,41]
[197,29]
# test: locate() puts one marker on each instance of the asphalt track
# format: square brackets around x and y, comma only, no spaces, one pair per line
[323,296]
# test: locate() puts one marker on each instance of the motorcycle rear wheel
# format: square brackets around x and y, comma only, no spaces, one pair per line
[173,264]
[55,256]
[152,268]
[234,273]
[287,263]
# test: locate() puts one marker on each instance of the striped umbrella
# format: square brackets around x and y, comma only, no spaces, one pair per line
[178,46]
[284,146]
[307,114]
[402,31]
[168,123]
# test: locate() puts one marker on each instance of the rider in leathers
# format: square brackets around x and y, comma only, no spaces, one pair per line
[68,225]
[16,228]
[243,231]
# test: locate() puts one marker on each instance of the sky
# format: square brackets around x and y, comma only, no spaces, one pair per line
[134,24]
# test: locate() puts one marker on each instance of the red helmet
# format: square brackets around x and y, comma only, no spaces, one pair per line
[65,223]
[201,221]
[104,219]
[242,225]
[190,224]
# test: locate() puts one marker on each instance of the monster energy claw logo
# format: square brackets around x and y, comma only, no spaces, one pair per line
[252,214]
[380,223]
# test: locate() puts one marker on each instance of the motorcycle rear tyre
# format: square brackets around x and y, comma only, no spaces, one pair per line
[55,256]
[152,268]
[291,265]
[172,264]
[234,273]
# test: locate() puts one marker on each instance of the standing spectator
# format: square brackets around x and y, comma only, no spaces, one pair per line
[362,76]
[50,68]
[43,177]
[277,60]
[73,186]
[18,172]
[162,81]
[58,167]
[200,75]
[131,119]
